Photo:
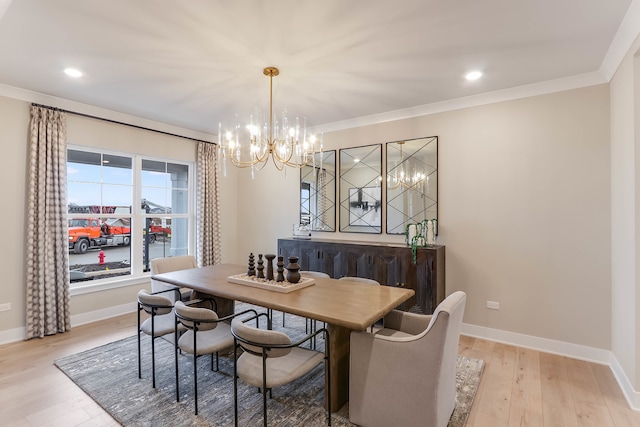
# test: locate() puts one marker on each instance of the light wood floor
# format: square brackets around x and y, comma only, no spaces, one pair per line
[519,387]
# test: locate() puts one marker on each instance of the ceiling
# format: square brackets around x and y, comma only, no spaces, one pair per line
[194,63]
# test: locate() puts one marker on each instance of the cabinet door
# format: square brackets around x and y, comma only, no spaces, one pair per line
[288,248]
[329,259]
[430,279]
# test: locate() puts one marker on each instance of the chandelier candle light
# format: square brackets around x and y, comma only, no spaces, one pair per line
[286,145]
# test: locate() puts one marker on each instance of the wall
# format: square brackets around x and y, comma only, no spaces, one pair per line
[625,164]
[14,125]
[524,210]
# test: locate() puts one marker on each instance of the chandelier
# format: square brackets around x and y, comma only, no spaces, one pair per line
[404,177]
[265,138]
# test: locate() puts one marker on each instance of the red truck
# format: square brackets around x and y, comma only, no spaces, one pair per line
[93,232]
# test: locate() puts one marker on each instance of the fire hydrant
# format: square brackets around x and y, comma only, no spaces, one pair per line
[101,257]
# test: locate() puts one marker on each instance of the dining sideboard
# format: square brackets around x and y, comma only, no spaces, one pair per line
[389,264]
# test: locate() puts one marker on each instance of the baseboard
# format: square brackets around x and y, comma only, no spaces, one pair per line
[13,335]
[574,351]
[19,334]
[105,313]
[632,396]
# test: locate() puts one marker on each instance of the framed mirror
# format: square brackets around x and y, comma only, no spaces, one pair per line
[318,193]
[412,182]
[360,189]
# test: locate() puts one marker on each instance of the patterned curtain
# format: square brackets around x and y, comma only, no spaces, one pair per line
[209,248]
[47,253]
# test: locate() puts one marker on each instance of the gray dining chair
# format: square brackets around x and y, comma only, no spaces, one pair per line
[161,321]
[205,333]
[271,359]
[169,264]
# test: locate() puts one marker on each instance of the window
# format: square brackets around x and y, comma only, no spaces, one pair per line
[111,236]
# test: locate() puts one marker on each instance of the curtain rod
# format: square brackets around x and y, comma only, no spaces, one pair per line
[119,123]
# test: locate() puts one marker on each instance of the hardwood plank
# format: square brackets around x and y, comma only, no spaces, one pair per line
[616,402]
[557,401]
[495,401]
[526,394]
[516,385]
[590,404]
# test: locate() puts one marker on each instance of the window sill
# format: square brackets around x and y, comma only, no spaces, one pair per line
[84,288]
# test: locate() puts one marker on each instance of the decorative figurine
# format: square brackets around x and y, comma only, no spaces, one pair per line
[260,267]
[269,258]
[280,264]
[293,270]
[252,270]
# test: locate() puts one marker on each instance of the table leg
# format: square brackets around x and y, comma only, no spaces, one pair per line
[339,357]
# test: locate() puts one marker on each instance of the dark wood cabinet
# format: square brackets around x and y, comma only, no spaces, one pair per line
[391,265]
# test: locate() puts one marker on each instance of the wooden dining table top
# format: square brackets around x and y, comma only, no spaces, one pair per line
[351,305]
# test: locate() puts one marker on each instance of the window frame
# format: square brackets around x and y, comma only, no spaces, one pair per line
[137,275]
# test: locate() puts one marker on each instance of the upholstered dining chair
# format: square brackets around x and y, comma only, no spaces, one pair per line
[309,324]
[270,359]
[161,321]
[205,333]
[364,281]
[169,264]
[415,356]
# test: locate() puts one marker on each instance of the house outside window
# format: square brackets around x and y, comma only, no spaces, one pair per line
[111,237]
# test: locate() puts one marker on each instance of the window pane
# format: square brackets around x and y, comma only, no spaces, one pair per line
[116,195]
[99,248]
[167,237]
[154,200]
[179,201]
[179,175]
[83,194]
[116,169]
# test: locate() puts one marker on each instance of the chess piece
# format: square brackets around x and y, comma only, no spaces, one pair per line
[260,274]
[252,270]
[293,270]
[269,258]
[280,264]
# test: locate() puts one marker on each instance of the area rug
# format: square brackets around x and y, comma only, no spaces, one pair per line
[109,375]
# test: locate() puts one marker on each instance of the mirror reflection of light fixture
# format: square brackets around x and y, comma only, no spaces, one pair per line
[286,145]
[410,179]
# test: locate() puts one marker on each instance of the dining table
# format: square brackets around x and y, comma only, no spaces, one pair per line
[343,305]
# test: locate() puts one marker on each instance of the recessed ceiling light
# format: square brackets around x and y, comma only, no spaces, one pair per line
[73,72]
[473,75]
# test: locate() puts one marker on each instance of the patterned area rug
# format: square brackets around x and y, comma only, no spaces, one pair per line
[109,374]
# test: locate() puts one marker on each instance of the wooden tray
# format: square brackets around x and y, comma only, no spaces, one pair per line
[270,285]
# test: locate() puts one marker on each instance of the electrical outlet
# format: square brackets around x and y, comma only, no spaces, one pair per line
[494,305]
[5,307]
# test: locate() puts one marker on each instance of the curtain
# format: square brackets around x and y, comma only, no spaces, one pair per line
[47,253]
[208,240]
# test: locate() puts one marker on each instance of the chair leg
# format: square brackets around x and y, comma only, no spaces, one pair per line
[153,350]
[195,380]
[175,335]
[139,356]
[235,383]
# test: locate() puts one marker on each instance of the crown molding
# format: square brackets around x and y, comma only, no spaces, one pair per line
[525,91]
[103,113]
[623,41]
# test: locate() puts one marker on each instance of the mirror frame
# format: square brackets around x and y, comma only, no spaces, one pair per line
[360,200]
[330,212]
[426,189]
